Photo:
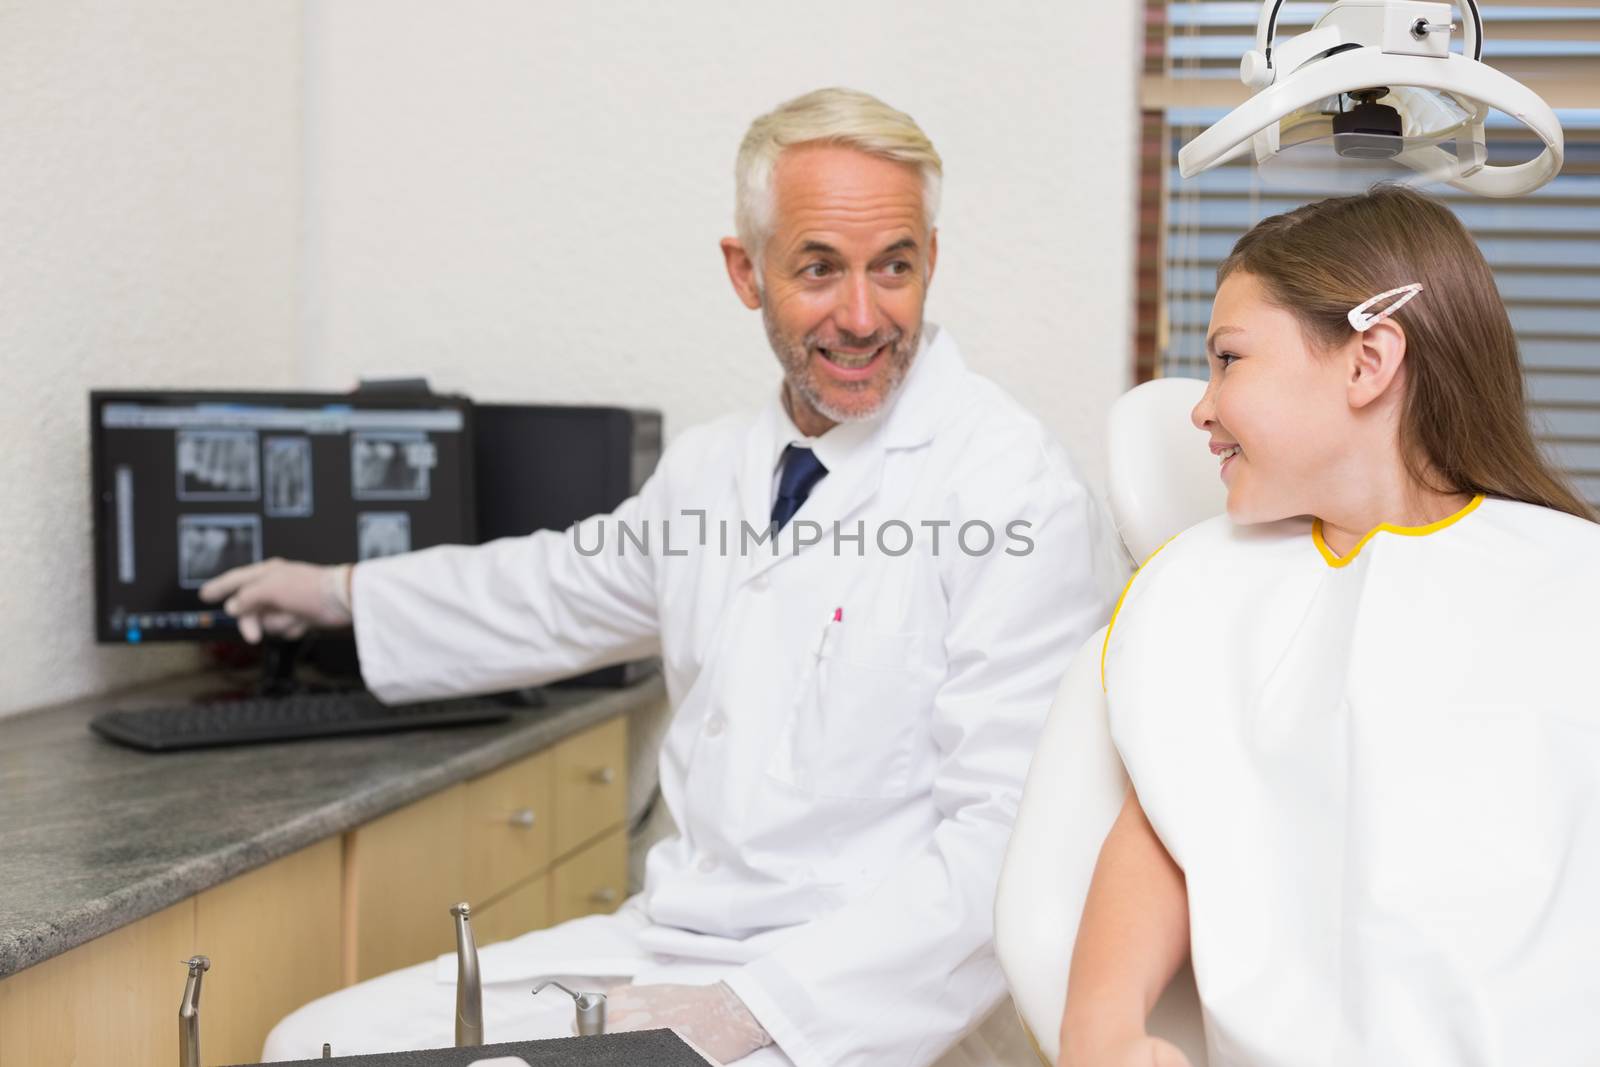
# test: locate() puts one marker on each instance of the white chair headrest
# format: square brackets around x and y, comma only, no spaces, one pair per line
[1162,477]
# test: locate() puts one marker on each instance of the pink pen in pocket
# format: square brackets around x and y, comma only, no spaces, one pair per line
[822,639]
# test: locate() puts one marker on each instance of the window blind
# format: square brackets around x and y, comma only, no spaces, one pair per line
[1544,248]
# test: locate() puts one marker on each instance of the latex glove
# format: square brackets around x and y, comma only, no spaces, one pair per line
[281,597]
[710,1017]
[1143,1051]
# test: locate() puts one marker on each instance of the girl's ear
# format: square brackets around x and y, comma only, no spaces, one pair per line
[1375,361]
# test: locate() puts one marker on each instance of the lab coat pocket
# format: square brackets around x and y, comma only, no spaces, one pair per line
[858,727]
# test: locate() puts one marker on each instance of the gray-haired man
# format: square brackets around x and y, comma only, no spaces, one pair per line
[854,704]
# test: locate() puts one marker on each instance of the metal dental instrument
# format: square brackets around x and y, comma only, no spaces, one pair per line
[591,1008]
[327,1051]
[469,986]
[189,1013]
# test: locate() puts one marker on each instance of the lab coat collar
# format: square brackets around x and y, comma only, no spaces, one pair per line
[834,448]
[854,458]
[926,397]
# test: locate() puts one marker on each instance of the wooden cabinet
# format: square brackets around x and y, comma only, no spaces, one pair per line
[510,815]
[525,907]
[591,776]
[111,1001]
[536,842]
[272,936]
[482,841]
[402,873]
[592,881]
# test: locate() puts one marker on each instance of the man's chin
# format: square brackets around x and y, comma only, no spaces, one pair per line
[855,407]
[842,401]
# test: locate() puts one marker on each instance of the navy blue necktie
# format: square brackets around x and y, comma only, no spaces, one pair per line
[802,470]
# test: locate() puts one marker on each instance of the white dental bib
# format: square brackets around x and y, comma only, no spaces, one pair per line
[1381,777]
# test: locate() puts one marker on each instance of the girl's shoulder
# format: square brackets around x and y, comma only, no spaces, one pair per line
[1219,549]
[1534,543]
[1207,571]
[1538,525]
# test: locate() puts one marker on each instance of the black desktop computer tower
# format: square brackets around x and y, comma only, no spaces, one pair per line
[544,467]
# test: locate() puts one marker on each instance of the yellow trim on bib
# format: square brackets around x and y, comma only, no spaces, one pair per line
[1033,1042]
[1107,642]
[1334,560]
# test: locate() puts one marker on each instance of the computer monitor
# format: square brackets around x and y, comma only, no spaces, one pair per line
[188,485]
[546,466]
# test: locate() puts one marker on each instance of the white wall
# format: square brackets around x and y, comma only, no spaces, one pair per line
[149,213]
[523,200]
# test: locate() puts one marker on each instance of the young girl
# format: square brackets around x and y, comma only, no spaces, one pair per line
[1359,712]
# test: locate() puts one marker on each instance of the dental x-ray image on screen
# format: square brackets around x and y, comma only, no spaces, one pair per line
[382,533]
[218,465]
[391,466]
[211,544]
[288,476]
[190,484]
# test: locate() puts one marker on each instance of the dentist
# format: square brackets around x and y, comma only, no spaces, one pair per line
[856,696]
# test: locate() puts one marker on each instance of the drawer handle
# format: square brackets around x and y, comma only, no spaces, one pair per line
[605,895]
[603,776]
[523,817]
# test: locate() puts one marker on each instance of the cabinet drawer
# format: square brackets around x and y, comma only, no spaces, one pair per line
[402,874]
[527,907]
[510,821]
[591,784]
[273,939]
[592,882]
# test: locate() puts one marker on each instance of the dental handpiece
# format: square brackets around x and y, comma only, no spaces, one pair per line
[469,985]
[189,1013]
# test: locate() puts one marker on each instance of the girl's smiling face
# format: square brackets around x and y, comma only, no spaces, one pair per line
[1277,411]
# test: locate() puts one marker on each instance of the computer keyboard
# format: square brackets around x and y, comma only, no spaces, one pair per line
[301,715]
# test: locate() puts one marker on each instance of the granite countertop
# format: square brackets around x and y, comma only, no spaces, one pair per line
[94,836]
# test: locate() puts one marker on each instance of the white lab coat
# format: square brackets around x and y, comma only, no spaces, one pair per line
[1381,777]
[844,789]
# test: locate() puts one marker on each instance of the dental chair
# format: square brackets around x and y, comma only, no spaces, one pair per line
[1162,480]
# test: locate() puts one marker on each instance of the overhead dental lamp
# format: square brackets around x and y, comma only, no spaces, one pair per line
[1376,80]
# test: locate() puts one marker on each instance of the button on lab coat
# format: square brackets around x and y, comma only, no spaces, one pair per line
[853,720]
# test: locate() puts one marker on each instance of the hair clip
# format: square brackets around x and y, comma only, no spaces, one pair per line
[1361,320]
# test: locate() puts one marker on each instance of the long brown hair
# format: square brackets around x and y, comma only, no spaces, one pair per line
[1463,418]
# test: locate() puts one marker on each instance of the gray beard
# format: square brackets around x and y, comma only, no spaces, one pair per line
[795,359]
